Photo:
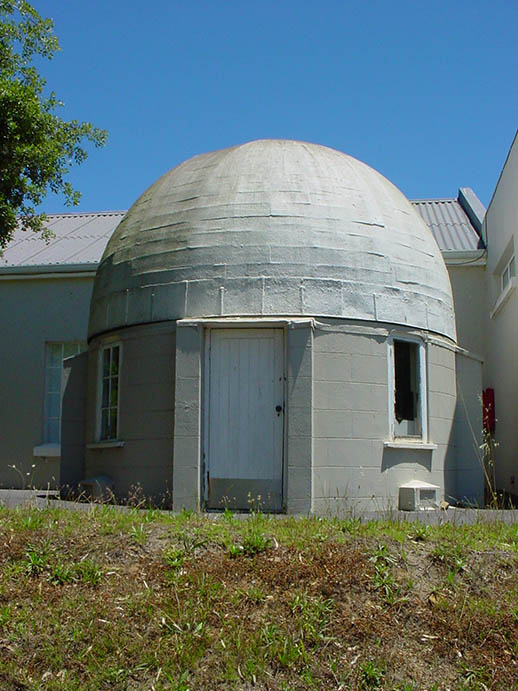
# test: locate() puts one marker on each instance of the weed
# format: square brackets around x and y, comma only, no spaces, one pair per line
[383,579]
[371,675]
[138,532]
[235,550]
[88,572]
[61,574]
[255,542]
[5,615]
[36,559]
[174,558]
[313,616]
[420,532]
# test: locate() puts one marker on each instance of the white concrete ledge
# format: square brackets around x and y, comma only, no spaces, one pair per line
[504,297]
[47,450]
[408,444]
[111,444]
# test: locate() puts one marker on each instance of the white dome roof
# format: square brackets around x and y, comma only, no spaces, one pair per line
[272,227]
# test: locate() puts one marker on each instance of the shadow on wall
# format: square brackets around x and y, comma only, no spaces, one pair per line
[400,457]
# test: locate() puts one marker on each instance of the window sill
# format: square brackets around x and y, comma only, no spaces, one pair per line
[503,297]
[111,444]
[47,451]
[409,444]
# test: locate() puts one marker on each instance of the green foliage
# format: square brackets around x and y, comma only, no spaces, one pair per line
[371,675]
[37,147]
[36,559]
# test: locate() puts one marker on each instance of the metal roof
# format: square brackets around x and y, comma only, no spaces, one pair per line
[79,239]
[450,223]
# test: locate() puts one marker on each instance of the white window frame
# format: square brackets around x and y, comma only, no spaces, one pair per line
[100,379]
[80,346]
[508,273]
[422,403]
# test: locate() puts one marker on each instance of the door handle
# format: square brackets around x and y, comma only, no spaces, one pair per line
[278,409]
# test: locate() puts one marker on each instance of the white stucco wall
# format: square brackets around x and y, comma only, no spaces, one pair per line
[501,227]
[32,313]
[468,284]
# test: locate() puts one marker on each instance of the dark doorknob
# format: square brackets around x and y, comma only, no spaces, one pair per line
[278,408]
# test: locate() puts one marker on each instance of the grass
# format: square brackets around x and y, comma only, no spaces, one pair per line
[148,600]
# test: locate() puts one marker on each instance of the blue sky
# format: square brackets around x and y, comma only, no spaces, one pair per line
[425,92]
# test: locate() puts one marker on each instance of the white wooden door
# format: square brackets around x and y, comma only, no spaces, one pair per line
[244,419]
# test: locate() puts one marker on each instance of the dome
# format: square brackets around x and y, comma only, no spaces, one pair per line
[272,228]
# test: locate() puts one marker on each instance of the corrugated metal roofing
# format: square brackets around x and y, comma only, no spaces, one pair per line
[80,238]
[450,224]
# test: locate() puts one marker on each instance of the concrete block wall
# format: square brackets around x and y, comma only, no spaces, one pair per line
[146,413]
[442,401]
[468,431]
[352,468]
[34,313]
[188,425]
[73,421]
[350,416]
[299,420]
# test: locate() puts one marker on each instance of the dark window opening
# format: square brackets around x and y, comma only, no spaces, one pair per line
[406,386]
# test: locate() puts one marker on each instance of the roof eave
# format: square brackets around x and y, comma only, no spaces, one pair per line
[49,270]
[465,257]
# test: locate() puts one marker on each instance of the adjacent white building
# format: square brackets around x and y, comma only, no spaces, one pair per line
[501,322]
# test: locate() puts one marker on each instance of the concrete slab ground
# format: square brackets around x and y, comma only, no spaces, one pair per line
[12,498]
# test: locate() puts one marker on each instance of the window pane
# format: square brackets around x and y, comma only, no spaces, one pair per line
[54,380]
[113,393]
[106,393]
[115,361]
[54,354]
[505,277]
[113,423]
[106,362]
[405,380]
[70,349]
[105,424]
[52,431]
[53,405]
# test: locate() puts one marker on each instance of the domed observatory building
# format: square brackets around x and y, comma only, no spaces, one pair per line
[271,325]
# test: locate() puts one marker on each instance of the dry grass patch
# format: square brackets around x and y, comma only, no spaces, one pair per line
[144,600]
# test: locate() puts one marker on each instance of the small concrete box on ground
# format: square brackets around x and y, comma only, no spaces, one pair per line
[417,495]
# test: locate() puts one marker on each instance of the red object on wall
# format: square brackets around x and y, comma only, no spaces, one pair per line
[488,410]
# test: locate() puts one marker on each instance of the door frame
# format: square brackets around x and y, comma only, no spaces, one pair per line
[205,397]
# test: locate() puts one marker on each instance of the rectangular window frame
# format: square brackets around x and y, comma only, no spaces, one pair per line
[100,437]
[508,273]
[67,349]
[422,402]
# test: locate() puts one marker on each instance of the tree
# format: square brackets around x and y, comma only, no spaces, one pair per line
[37,147]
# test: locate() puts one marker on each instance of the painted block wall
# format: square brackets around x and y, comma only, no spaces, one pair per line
[501,370]
[33,312]
[73,421]
[299,420]
[146,416]
[502,375]
[468,431]
[468,284]
[442,401]
[352,470]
